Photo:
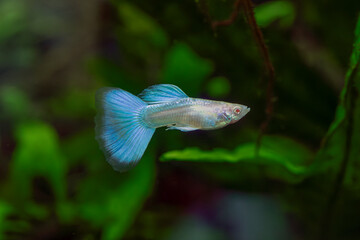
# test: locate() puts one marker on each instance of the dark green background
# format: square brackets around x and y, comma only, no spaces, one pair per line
[303,184]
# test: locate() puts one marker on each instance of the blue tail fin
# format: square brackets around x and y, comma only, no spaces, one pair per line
[122,135]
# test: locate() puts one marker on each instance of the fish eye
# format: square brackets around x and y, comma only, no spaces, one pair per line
[237,110]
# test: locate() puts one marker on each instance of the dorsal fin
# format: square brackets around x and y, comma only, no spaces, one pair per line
[161,93]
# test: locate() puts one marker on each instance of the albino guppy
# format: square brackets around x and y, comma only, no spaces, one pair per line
[125,123]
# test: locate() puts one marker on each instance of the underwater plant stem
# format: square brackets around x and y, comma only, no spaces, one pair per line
[334,197]
[269,109]
[247,7]
[230,19]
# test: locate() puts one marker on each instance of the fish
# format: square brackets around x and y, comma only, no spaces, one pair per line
[125,123]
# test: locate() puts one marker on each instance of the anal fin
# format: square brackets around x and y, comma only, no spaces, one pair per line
[183,129]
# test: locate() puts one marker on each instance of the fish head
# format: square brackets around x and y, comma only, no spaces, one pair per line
[229,113]
[236,111]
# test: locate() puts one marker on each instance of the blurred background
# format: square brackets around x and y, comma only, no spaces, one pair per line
[304,183]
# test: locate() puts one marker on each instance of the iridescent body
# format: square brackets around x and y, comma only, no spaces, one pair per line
[193,113]
[125,123]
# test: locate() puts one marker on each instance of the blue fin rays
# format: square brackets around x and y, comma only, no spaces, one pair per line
[122,135]
[161,93]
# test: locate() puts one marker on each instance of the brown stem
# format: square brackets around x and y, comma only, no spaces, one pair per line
[247,7]
[203,7]
[231,19]
[250,17]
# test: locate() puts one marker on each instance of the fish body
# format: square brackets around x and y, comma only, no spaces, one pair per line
[192,113]
[125,123]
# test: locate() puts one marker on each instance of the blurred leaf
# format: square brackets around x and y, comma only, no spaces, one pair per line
[185,69]
[139,24]
[12,14]
[14,103]
[139,35]
[37,154]
[36,211]
[111,74]
[5,210]
[75,152]
[17,227]
[107,199]
[111,200]
[16,42]
[218,87]
[74,103]
[279,155]
[341,151]
[271,11]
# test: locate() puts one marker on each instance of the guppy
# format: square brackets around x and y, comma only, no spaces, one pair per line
[125,123]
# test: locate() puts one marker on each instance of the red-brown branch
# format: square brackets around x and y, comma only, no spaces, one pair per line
[247,8]
[269,110]
[231,19]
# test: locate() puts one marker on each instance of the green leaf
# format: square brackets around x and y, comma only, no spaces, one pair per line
[37,154]
[74,103]
[14,104]
[5,210]
[75,152]
[12,16]
[110,73]
[284,158]
[218,87]
[341,151]
[110,200]
[139,34]
[269,12]
[137,23]
[185,69]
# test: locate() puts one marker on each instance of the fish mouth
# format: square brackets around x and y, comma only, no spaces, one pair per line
[244,112]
